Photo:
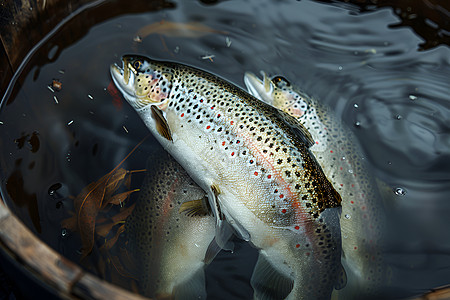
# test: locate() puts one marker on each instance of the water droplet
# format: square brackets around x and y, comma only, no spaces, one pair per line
[64,232]
[412,97]
[347,216]
[350,171]
[399,191]
[398,117]
[340,68]
[355,105]
[357,124]
[52,189]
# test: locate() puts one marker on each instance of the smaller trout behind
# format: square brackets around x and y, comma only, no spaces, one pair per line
[168,236]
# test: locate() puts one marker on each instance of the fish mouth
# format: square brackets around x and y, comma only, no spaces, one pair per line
[260,88]
[123,78]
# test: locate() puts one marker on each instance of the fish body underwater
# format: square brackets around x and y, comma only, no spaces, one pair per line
[169,243]
[254,162]
[337,151]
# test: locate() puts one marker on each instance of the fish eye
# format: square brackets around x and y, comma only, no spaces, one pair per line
[137,64]
[279,80]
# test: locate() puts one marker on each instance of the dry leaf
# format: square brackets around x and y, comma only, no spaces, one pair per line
[92,199]
[87,204]
[174,29]
[105,228]
[118,199]
[119,267]
[109,243]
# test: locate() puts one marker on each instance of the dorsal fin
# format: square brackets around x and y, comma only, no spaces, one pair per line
[297,128]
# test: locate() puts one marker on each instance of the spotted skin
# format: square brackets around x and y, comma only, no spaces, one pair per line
[267,184]
[336,150]
[169,246]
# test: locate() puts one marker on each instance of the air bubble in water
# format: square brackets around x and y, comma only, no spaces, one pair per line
[399,191]
[355,105]
[347,216]
[357,124]
[412,97]
[398,117]
[54,188]
[64,232]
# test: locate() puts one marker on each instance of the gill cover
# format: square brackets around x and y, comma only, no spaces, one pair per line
[151,82]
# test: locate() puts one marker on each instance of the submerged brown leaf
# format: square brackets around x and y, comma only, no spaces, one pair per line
[109,243]
[95,197]
[118,199]
[108,224]
[175,29]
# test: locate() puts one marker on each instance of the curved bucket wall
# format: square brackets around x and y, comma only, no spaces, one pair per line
[38,270]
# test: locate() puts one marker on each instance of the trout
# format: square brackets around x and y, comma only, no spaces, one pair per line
[254,162]
[337,151]
[170,238]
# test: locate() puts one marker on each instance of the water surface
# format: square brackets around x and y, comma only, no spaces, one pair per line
[391,91]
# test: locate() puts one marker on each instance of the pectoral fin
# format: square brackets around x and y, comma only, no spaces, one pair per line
[212,251]
[223,230]
[195,208]
[268,283]
[161,123]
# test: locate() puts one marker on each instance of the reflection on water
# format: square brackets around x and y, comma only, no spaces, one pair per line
[394,98]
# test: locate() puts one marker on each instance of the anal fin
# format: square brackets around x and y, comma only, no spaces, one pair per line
[223,230]
[268,283]
[192,288]
[212,251]
[341,279]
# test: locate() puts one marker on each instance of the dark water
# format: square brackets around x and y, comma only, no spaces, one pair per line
[393,93]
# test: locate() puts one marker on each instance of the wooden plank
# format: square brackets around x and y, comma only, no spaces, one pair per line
[439,293]
[6,71]
[42,261]
[67,279]
[24,23]
[91,287]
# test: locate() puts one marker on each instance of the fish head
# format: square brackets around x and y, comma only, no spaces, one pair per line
[277,92]
[142,81]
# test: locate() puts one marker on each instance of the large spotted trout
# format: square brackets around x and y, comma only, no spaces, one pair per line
[254,162]
[170,232]
[337,151]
